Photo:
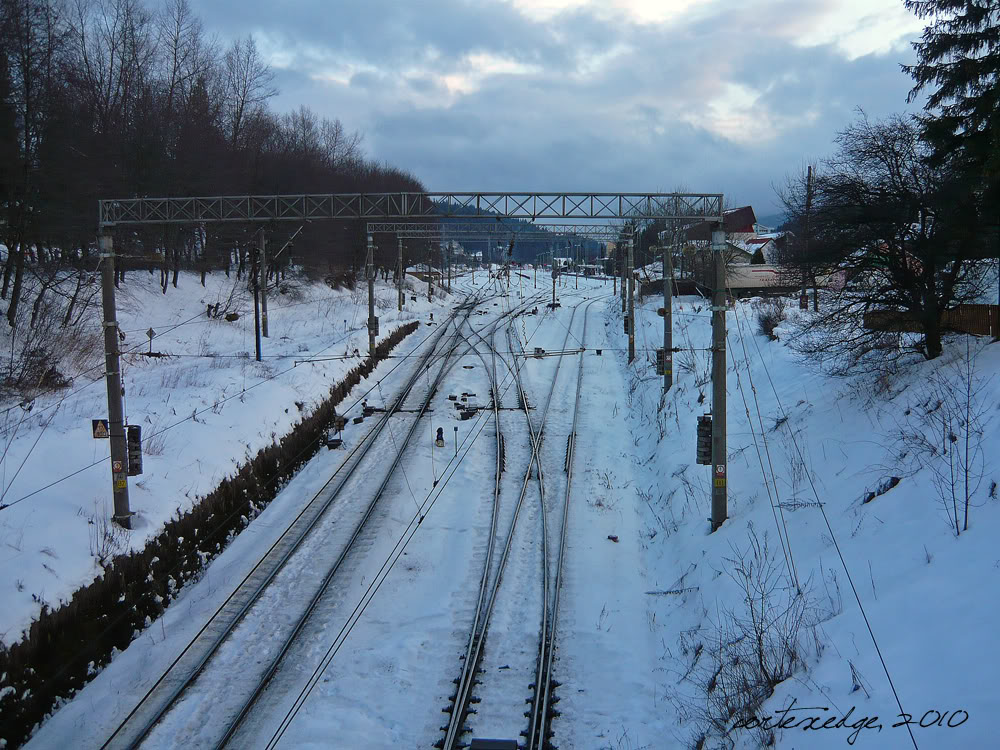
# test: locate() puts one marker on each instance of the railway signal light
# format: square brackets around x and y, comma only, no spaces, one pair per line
[660,362]
[704,452]
[133,442]
[628,320]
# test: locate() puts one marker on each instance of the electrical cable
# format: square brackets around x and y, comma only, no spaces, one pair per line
[395,447]
[223,522]
[782,527]
[170,427]
[836,545]
[383,571]
[75,391]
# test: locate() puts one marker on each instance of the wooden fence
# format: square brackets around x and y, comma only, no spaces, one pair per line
[978,320]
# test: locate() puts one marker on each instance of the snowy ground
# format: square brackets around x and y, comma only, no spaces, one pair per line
[640,616]
[53,532]
[649,609]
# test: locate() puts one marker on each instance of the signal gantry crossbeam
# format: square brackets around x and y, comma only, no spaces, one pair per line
[472,230]
[389,206]
[374,207]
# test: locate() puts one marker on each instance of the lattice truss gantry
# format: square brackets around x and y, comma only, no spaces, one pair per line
[402,206]
[498,230]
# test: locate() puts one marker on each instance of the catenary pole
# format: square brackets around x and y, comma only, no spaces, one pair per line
[668,323]
[112,367]
[624,270]
[631,302]
[719,461]
[255,270]
[370,273]
[399,272]
[262,263]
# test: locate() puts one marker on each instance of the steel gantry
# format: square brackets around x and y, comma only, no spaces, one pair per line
[476,230]
[373,207]
[387,206]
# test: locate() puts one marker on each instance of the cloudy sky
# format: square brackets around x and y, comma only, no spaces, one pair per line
[586,95]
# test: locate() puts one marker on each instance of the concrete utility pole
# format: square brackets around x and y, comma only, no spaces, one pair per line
[116,409]
[804,297]
[720,509]
[441,261]
[624,270]
[370,273]
[255,270]
[668,322]
[631,304]
[399,273]
[262,262]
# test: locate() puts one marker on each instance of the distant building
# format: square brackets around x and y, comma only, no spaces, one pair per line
[738,224]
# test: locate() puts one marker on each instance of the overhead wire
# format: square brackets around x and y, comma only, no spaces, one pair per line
[836,544]
[150,436]
[780,523]
[415,522]
[224,521]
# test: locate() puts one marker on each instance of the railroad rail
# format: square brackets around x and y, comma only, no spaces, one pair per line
[194,658]
[538,728]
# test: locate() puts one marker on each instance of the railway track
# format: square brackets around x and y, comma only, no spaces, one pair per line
[195,658]
[537,731]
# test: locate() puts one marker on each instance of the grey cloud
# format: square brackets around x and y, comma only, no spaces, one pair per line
[556,129]
[390,33]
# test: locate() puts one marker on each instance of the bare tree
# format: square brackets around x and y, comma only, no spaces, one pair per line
[33,36]
[116,45]
[247,84]
[905,238]
[185,52]
[340,148]
[943,431]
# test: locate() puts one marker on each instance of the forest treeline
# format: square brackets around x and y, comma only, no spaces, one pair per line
[121,98]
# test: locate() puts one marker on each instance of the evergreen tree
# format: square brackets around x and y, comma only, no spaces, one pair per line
[959,56]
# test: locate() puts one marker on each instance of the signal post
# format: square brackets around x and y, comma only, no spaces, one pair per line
[112,368]
[719,462]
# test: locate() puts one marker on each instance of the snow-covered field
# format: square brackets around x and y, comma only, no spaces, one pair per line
[653,608]
[644,615]
[211,402]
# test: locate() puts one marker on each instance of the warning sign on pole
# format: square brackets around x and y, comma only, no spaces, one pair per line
[100,428]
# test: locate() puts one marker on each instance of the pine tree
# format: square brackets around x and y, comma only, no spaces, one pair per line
[959,55]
